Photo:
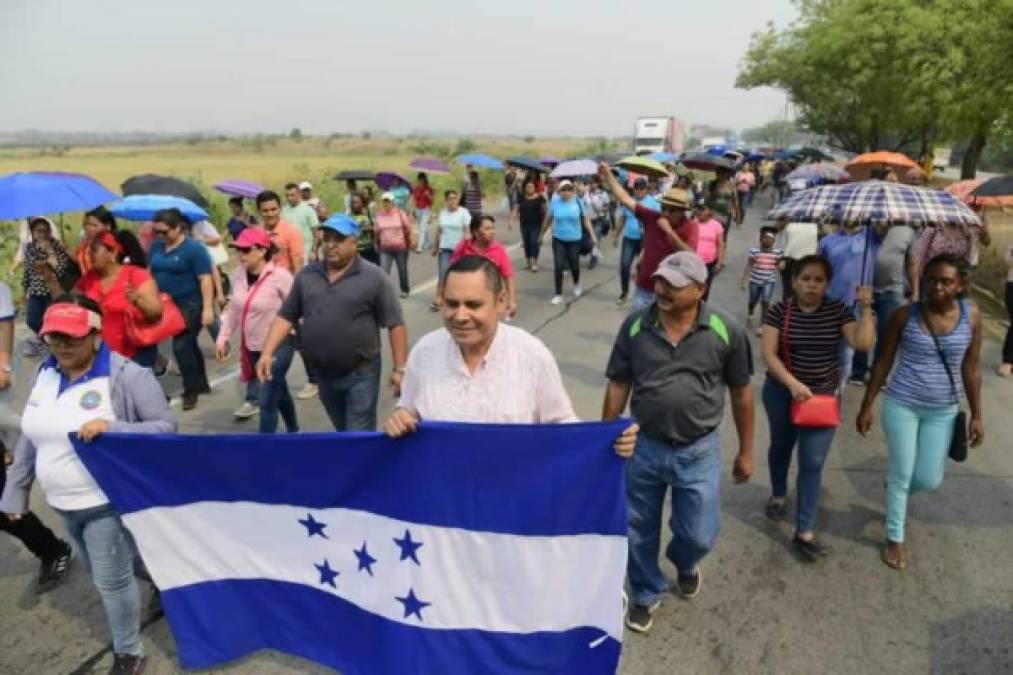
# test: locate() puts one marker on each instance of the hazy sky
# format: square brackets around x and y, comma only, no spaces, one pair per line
[509,66]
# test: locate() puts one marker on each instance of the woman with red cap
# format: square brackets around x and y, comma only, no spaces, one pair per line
[87,388]
[259,288]
[120,289]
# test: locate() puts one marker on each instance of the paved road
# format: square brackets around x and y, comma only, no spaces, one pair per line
[760,611]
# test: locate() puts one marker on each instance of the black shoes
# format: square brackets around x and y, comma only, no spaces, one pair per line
[689,584]
[810,550]
[53,571]
[639,617]
[126,664]
[190,400]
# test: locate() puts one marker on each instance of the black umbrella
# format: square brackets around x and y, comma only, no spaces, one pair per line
[1000,186]
[150,184]
[811,153]
[527,163]
[355,175]
[703,161]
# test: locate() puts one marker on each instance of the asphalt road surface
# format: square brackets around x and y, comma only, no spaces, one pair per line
[759,611]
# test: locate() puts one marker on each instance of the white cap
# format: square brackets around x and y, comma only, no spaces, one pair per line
[565,183]
[387,196]
[305,185]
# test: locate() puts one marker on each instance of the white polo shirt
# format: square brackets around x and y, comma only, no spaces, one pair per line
[55,409]
[517,382]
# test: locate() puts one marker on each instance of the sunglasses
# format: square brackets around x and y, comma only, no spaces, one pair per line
[63,340]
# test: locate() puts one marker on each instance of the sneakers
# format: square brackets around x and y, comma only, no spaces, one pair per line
[810,550]
[577,291]
[689,584]
[128,664]
[309,390]
[403,295]
[247,410]
[856,381]
[534,268]
[556,300]
[639,617]
[54,570]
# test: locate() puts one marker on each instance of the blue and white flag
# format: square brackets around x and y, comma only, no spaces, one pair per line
[458,549]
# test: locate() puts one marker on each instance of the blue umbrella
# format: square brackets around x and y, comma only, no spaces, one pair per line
[481,161]
[144,207]
[663,157]
[755,157]
[37,193]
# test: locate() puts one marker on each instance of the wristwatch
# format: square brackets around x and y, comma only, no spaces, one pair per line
[399,371]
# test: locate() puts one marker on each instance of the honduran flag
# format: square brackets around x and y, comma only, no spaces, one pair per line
[458,549]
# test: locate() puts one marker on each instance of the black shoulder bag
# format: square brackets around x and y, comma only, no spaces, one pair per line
[958,446]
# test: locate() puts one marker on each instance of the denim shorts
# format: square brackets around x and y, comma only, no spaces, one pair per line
[764,291]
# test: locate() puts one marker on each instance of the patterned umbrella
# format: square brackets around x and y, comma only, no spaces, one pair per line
[875,201]
[820,173]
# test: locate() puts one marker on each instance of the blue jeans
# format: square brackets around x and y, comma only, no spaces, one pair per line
[35,310]
[274,396]
[918,439]
[187,350]
[399,258]
[641,299]
[531,236]
[108,551]
[350,400]
[422,219]
[443,263]
[760,292]
[813,447]
[631,247]
[694,473]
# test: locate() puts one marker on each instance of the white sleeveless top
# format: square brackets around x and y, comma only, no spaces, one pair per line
[50,414]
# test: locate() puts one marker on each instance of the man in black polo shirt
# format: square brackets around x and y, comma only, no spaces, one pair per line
[677,356]
[339,305]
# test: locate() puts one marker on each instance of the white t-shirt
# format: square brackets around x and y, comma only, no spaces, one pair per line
[453,227]
[6,302]
[799,240]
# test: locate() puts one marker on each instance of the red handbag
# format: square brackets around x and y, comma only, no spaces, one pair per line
[820,410]
[143,333]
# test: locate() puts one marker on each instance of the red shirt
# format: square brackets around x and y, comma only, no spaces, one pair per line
[656,245]
[423,195]
[495,252]
[114,304]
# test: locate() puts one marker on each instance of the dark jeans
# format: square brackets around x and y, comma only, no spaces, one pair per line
[350,399]
[565,254]
[36,537]
[186,348]
[601,226]
[145,356]
[630,251]
[813,447]
[35,310]
[400,258]
[1007,347]
[531,235]
[274,396]
[786,290]
[370,254]
[711,273]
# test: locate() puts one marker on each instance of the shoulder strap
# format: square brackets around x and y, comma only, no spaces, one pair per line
[942,356]
[784,334]
[718,325]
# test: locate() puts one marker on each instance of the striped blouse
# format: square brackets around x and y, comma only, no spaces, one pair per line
[919,379]
[814,341]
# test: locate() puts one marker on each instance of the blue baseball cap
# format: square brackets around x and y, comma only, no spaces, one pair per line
[342,224]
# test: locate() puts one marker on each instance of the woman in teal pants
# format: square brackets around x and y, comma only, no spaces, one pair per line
[939,344]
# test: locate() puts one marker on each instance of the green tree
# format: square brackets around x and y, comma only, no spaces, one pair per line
[778,133]
[295,134]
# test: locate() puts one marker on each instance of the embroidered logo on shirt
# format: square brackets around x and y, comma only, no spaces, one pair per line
[91,400]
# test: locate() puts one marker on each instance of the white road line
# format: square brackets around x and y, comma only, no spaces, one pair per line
[234,373]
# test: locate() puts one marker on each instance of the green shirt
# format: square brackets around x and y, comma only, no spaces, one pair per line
[305,218]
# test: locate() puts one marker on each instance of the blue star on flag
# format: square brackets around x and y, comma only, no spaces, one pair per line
[313,526]
[412,605]
[365,560]
[409,548]
[327,575]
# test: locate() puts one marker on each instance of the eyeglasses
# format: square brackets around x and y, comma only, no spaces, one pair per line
[62,340]
[161,231]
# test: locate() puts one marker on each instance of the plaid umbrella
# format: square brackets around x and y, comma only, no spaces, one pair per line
[875,201]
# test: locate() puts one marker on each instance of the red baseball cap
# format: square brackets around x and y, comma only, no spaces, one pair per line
[253,236]
[70,319]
